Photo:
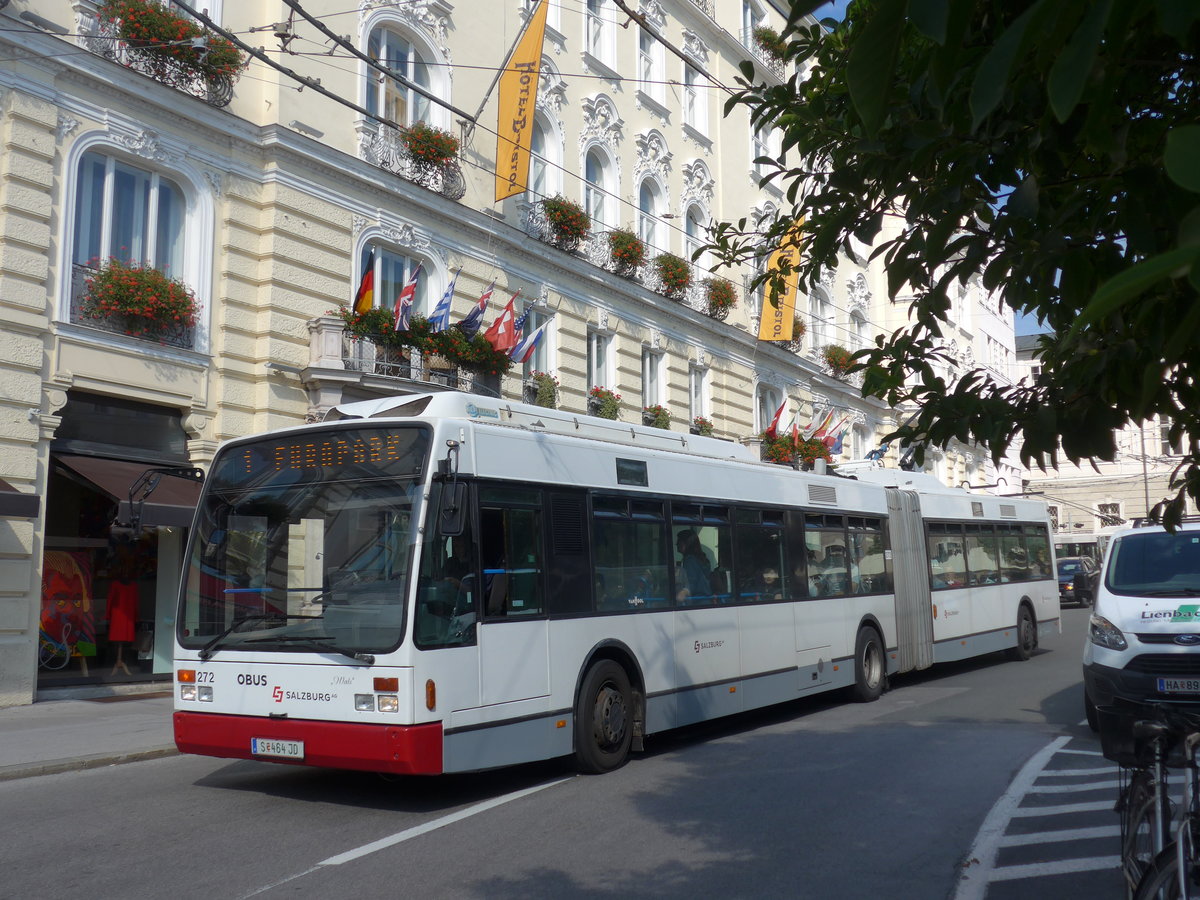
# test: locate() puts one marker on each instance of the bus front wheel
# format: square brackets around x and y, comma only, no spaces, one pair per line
[604,719]
[869,665]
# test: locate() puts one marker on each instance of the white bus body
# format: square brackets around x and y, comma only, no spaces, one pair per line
[328,617]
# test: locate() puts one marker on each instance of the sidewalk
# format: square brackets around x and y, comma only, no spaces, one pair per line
[63,735]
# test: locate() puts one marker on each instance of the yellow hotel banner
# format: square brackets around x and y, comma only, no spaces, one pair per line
[777,319]
[518,97]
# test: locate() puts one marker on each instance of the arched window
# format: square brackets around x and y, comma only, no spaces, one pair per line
[768,400]
[387,97]
[820,318]
[392,271]
[545,172]
[649,212]
[127,213]
[596,187]
[858,330]
[693,233]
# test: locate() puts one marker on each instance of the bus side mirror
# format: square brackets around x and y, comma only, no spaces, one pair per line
[453,513]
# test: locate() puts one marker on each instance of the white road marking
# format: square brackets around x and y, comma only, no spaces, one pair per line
[434,824]
[410,833]
[1062,834]
[981,868]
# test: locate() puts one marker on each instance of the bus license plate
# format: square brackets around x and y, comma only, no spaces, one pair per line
[1179,685]
[273,747]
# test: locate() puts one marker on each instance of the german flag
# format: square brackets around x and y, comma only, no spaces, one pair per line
[365,298]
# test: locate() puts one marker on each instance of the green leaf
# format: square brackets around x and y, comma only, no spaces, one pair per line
[930,16]
[1070,71]
[1182,157]
[1177,17]
[1189,229]
[872,57]
[1024,200]
[1120,289]
[992,74]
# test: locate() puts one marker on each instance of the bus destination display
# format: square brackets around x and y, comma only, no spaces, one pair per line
[344,453]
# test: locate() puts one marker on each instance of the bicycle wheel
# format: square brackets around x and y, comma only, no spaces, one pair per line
[1161,879]
[1137,829]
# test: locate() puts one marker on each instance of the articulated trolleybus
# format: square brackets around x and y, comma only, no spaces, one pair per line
[445,583]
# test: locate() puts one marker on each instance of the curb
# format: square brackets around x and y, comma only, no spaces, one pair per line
[58,766]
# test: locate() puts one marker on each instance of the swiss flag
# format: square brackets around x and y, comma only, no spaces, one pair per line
[503,333]
[773,428]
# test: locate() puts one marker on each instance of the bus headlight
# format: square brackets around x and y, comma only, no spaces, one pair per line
[1104,633]
[389,703]
[187,692]
[205,694]
[364,702]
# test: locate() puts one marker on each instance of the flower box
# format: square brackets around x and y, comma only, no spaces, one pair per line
[656,416]
[674,275]
[566,222]
[139,301]
[604,403]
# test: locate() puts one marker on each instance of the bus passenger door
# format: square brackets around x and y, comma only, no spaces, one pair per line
[514,638]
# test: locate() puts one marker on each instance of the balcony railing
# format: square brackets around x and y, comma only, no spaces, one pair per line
[104,39]
[762,56]
[172,335]
[381,145]
[364,355]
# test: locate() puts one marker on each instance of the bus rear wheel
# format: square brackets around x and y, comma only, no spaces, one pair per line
[1026,636]
[604,719]
[869,666]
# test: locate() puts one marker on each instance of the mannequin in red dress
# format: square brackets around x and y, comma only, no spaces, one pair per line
[123,603]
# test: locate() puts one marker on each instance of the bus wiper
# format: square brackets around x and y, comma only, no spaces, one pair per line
[208,649]
[315,642]
[1174,592]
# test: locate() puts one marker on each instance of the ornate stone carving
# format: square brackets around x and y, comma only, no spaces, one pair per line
[694,47]
[860,295]
[215,180]
[65,127]
[653,158]
[600,121]
[146,144]
[654,13]
[552,91]
[698,184]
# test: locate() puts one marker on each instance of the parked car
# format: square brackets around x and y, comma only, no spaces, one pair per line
[1077,577]
[1143,639]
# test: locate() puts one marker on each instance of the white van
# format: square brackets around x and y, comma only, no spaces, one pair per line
[1143,640]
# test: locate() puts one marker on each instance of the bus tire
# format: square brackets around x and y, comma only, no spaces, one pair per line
[1026,635]
[870,668]
[603,719]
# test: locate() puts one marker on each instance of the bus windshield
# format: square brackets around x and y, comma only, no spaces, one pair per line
[304,543]
[1156,564]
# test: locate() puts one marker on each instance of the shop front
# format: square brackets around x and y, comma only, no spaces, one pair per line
[114,543]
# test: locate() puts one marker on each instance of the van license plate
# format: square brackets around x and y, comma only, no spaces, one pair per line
[287,749]
[1179,685]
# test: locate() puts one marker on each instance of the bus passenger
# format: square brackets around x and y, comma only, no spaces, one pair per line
[694,569]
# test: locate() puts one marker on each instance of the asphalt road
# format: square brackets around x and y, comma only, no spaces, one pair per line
[817,799]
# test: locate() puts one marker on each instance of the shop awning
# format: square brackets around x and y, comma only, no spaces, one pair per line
[172,503]
[16,505]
